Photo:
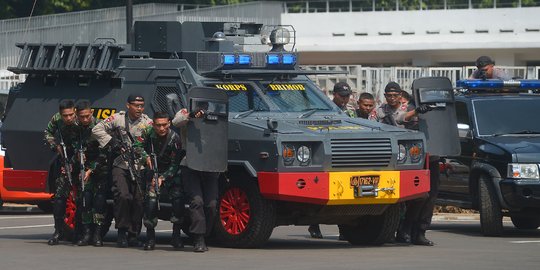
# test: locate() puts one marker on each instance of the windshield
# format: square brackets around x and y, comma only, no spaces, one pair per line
[294,97]
[284,97]
[242,97]
[507,116]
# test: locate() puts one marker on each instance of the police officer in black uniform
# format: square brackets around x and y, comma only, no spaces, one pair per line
[201,188]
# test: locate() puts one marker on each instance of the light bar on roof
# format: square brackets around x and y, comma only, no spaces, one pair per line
[498,84]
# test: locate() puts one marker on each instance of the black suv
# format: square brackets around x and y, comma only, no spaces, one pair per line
[497,172]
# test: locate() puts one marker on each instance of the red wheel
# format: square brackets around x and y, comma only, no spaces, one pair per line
[246,219]
[234,211]
[71,209]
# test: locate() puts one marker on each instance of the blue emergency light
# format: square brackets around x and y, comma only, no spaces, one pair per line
[289,59]
[233,59]
[244,59]
[498,84]
[229,59]
[272,59]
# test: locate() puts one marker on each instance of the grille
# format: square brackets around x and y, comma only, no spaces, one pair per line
[361,153]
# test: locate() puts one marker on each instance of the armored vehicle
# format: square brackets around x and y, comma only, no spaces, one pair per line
[497,171]
[294,158]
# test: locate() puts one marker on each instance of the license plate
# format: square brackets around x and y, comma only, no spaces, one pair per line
[365,185]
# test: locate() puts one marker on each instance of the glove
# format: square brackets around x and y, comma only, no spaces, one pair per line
[424,108]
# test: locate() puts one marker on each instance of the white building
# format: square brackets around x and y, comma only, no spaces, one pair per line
[442,37]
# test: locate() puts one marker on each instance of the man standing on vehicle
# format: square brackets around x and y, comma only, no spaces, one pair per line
[487,70]
[366,104]
[162,149]
[92,201]
[117,133]
[61,134]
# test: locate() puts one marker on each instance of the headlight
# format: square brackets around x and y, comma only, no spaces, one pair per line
[410,152]
[416,152]
[303,155]
[288,154]
[402,155]
[523,171]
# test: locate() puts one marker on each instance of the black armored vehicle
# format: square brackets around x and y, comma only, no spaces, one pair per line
[497,172]
[294,158]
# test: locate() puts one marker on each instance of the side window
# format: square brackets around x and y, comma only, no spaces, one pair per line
[463,120]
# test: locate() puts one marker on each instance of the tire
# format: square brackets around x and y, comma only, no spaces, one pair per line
[245,219]
[526,223]
[373,230]
[490,209]
[46,206]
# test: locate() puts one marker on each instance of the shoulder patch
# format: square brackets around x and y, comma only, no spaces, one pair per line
[184,111]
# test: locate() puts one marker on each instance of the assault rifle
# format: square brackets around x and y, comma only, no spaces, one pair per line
[67,163]
[81,168]
[128,155]
[155,178]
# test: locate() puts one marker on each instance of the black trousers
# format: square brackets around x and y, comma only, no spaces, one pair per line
[201,189]
[420,211]
[128,201]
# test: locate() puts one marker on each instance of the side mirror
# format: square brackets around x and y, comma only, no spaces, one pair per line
[464,130]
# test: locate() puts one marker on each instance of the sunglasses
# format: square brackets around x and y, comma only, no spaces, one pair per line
[138,106]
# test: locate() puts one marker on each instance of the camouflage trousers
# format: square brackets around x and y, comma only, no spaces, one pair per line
[171,190]
[93,201]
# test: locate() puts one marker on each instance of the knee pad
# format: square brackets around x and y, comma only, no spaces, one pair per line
[150,207]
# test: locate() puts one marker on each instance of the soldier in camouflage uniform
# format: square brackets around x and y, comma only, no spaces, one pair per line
[117,133]
[91,202]
[165,144]
[62,129]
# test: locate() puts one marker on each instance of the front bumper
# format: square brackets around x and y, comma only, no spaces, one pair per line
[336,188]
[520,194]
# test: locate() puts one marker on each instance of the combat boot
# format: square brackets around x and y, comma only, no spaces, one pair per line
[98,242]
[176,241]
[122,241]
[198,244]
[150,239]
[85,239]
[55,238]
[58,232]
[132,240]
[421,240]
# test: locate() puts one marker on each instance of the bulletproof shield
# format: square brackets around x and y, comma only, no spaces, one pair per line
[207,136]
[440,124]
